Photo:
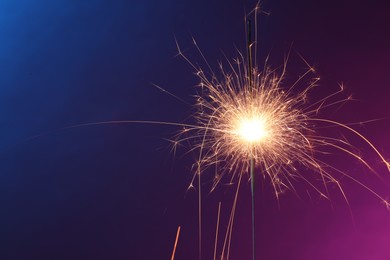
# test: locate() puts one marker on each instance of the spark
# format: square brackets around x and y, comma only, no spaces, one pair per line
[176,241]
[243,114]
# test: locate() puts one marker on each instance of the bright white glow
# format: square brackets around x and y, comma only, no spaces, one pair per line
[252,130]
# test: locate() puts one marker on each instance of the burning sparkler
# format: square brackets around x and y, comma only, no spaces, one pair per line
[249,118]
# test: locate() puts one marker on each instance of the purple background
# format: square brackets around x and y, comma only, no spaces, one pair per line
[116,191]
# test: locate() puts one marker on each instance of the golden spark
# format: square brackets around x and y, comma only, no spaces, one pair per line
[244,114]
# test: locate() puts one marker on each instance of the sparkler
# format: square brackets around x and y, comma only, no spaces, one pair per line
[248,118]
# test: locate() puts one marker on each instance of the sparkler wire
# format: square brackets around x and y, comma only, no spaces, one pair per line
[252,160]
[253,204]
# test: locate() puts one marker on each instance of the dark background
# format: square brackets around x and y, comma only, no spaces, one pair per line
[117,191]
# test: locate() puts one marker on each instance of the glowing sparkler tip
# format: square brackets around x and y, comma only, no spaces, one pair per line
[252,129]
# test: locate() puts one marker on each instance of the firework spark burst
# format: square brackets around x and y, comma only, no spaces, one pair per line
[251,114]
